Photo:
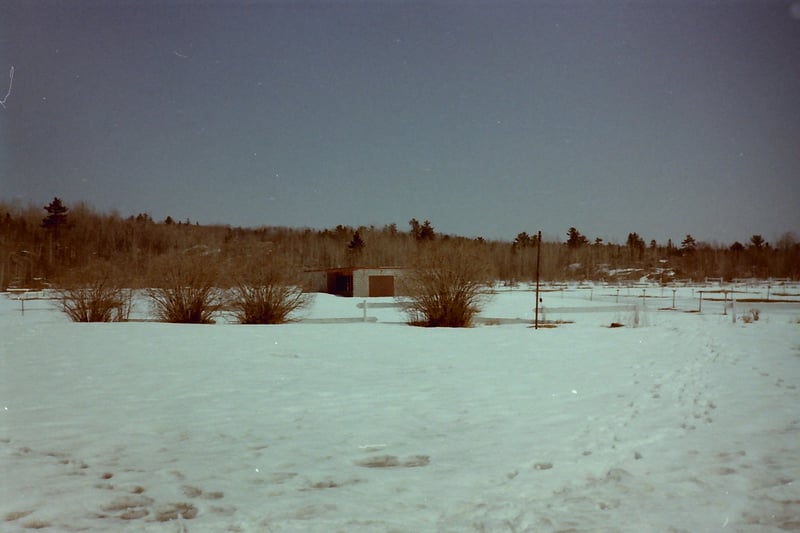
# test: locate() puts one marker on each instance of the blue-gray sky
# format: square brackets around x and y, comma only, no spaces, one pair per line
[487,118]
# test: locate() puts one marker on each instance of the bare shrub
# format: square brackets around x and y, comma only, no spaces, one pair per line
[187,292]
[267,293]
[94,295]
[446,287]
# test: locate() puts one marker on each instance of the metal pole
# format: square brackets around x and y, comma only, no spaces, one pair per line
[538,259]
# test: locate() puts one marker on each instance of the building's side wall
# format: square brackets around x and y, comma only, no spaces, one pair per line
[317,281]
[361,279]
[361,283]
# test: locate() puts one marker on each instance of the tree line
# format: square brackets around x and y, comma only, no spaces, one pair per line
[57,244]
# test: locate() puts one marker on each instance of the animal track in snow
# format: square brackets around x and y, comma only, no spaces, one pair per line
[391,461]
[126,501]
[330,484]
[194,492]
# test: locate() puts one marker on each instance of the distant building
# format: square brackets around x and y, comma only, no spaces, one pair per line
[356,281]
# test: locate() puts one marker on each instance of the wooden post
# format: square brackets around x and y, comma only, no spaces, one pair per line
[673,298]
[538,259]
[20,294]
[700,306]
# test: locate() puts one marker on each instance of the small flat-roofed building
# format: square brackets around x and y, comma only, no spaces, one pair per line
[357,281]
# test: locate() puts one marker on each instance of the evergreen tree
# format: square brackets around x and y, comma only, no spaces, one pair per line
[422,232]
[575,239]
[414,223]
[523,240]
[56,216]
[55,219]
[635,245]
[356,244]
[688,245]
[426,232]
[757,242]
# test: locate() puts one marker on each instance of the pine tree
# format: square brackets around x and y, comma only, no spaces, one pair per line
[56,216]
[356,244]
[414,223]
[688,245]
[635,245]
[422,232]
[426,232]
[757,242]
[523,240]
[55,219]
[575,239]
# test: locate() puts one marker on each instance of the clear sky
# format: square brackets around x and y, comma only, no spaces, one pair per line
[486,117]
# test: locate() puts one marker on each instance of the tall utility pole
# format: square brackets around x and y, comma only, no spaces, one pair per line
[538,258]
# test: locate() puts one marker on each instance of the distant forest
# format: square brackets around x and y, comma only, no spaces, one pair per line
[57,244]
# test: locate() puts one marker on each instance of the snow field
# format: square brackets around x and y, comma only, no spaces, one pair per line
[687,424]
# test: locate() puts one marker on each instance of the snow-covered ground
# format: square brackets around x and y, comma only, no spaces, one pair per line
[689,422]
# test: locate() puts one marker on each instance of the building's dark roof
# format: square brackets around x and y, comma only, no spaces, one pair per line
[351,269]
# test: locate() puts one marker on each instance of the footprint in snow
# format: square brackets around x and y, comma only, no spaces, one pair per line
[392,461]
